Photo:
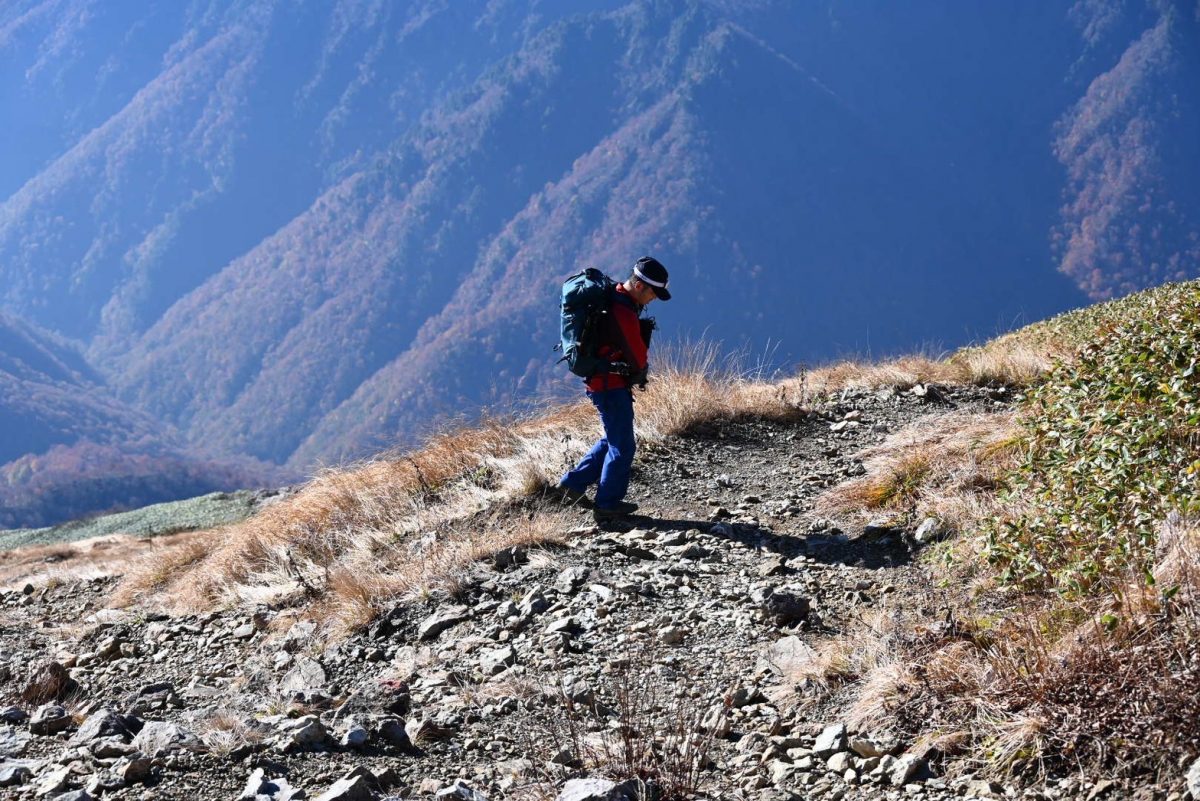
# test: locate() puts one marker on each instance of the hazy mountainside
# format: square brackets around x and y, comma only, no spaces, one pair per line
[245,113]
[1132,213]
[51,396]
[69,448]
[303,231]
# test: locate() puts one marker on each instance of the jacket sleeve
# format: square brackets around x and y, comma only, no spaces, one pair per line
[631,332]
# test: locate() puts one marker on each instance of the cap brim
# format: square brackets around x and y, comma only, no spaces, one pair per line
[662,292]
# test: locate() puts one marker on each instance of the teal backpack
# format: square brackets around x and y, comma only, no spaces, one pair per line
[586,298]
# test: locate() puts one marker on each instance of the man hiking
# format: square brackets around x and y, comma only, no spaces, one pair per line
[622,351]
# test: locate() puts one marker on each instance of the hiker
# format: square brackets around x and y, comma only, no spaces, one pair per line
[621,346]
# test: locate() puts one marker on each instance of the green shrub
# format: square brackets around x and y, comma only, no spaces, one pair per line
[1112,446]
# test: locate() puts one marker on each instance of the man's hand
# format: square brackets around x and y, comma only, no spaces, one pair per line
[648,327]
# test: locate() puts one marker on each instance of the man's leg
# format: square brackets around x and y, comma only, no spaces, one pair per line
[587,472]
[616,412]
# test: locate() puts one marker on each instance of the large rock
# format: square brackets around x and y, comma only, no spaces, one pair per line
[13,742]
[49,719]
[840,762]
[1193,780]
[789,656]
[306,674]
[831,741]
[534,603]
[442,620]
[459,791]
[590,790]
[424,730]
[782,607]
[356,788]
[48,682]
[392,730]
[259,787]
[571,579]
[102,724]
[53,781]
[158,738]
[75,795]
[305,734]
[13,714]
[908,768]
[355,734]
[133,769]
[155,697]
[867,747]
[15,774]
[931,530]
[498,661]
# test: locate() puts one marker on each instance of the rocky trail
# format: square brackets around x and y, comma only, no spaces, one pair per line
[681,623]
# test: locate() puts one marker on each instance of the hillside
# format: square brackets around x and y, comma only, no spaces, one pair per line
[71,449]
[354,215]
[973,577]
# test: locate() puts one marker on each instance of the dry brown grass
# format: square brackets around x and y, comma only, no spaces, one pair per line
[85,559]
[223,732]
[1007,361]
[946,467]
[1108,683]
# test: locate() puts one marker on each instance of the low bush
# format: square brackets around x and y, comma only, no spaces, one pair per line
[1112,446]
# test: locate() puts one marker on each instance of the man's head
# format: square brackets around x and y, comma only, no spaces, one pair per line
[649,281]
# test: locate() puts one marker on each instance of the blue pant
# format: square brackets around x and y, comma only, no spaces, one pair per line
[611,458]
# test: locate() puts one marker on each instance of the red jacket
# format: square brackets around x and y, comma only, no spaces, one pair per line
[621,341]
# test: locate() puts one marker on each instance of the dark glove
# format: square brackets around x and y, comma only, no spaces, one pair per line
[648,326]
[620,368]
[639,379]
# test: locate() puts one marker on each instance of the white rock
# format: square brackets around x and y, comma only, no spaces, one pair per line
[929,531]
[839,762]
[460,791]
[587,790]
[307,733]
[673,635]
[13,742]
[357,788]
[866,747]
[52,781]
[498,661]
[789,656]
[831,741]
[306,674]
[158,739]
[133,769]
[14,775]
[442,620]
[906,769]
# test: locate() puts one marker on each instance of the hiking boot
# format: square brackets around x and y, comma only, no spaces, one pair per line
[572,497]
[621,509]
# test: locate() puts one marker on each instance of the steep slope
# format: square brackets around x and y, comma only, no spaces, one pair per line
[353,279]
[49,395]
[70,449]
[1130,217]
[223,120]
